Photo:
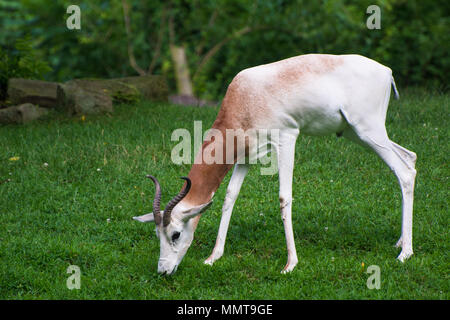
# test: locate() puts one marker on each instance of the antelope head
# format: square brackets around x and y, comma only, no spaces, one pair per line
[174,226]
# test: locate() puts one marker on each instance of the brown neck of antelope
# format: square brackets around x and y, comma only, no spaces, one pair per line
[206,179]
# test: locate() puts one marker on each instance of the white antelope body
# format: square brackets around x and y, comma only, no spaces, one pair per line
[312,94]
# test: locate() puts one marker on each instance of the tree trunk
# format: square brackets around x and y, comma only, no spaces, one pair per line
[182,75]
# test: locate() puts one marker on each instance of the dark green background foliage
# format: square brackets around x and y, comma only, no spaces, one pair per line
[413,39]
[20,62]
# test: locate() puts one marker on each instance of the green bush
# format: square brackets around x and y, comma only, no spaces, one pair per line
[413,40]
[21,62]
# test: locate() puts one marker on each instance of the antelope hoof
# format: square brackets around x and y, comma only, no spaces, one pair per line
[404,255]
[209,261]
[289,267]
[213,258]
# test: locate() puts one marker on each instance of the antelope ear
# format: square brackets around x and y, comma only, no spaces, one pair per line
[146,217]
[194,211]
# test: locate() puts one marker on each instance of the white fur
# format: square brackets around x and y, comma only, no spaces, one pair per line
[351,99]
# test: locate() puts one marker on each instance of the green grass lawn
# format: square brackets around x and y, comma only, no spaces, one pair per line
[347,212]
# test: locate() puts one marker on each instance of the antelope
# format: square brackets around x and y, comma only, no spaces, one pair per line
[313,94]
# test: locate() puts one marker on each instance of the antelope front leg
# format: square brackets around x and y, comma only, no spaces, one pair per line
[286,152]
[239,173]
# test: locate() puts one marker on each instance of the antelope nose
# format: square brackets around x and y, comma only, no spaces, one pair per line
[166,270]
[162,271]
[163,268]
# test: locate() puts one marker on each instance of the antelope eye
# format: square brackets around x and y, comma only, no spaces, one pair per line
[175,236]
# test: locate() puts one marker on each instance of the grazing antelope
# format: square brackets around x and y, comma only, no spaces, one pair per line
[314,94]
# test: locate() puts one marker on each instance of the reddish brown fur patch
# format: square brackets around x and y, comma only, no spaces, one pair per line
[293,70]
[242,106]
[206,178]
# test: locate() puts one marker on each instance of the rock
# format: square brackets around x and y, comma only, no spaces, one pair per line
[151,87]
[186,100]
[20,114]
[42,93]
[86,96]
[90,96]
[74,99]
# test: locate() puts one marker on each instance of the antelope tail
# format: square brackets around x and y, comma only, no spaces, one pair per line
[396,95]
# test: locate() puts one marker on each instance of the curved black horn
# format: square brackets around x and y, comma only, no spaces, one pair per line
[157,200]
[172,203]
